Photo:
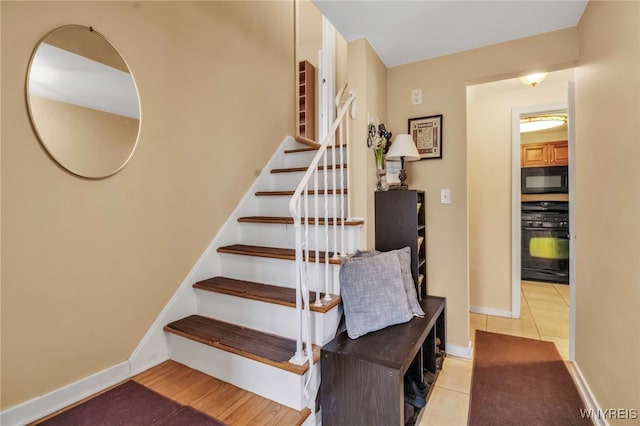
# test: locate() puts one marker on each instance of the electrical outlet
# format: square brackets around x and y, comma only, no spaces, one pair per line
[416,96]
[445,196]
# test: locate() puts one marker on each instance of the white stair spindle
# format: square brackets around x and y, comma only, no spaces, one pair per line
[326,228]
[317,237]
[335,201]
[343,249]
[298,357]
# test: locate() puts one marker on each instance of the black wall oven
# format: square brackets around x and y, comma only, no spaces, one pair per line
[545,241]
[543,180]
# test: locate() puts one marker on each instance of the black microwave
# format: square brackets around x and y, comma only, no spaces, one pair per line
[543,180]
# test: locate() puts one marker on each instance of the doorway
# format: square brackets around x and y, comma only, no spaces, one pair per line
[541,244]
[493,184]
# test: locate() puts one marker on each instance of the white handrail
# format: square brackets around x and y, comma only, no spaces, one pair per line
[299,210]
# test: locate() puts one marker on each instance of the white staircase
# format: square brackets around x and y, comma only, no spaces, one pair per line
[243,325]
[240,315]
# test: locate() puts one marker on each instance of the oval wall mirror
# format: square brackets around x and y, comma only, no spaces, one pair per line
[83,102]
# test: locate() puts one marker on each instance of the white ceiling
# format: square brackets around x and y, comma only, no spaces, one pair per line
[402,31]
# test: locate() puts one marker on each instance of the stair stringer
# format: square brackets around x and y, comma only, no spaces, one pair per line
[153,348]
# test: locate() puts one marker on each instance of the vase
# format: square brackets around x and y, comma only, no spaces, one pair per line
[382,180]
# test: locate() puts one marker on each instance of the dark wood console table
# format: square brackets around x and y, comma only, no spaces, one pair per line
[363,379]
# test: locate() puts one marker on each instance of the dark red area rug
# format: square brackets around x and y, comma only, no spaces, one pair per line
[519,381]
[131,404]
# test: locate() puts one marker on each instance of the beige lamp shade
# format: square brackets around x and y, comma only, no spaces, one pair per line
[403,146]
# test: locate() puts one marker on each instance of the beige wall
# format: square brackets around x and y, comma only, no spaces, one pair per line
[88,265]
[368,77]
[489,144]
[607,340]
[443,82]
[309,32]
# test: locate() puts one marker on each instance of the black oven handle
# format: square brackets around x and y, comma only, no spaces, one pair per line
[546,228]
[526,228]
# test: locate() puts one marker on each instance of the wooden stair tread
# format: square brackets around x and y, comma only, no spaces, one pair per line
[264,292]
[307,141]
[290,193]
[288,220]
[273,253]
[293,151]
[253,344]
[304,169]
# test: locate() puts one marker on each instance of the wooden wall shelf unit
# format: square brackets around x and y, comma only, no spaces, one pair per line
[363,379]
[307,100]
[400,222]
[544,154]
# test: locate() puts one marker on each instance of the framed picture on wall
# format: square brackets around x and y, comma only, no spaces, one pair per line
[427,135]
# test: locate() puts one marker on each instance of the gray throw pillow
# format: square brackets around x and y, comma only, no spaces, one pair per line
[404,257]
[373,293]
[360,253]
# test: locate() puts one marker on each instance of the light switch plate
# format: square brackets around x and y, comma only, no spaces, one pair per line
[416,96]
[445,196]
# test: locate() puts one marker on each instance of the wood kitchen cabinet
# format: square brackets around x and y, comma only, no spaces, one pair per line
[558,153]
[544,154]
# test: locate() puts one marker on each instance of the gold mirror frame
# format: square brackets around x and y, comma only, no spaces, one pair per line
[83,102]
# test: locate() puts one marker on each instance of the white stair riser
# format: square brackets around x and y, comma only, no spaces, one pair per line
[274,271]
[269,382]
[266,317]
[291,180]
[278,205]
[280,235]
[303,159]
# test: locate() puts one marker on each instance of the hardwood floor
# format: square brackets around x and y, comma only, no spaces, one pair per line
[220,400]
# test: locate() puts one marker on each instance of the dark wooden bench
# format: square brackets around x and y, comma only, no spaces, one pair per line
[363,379]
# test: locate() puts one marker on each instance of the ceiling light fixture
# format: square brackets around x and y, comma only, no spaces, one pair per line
[534,124]
[533,79]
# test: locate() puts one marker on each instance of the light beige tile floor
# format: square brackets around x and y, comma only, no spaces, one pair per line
[544,315]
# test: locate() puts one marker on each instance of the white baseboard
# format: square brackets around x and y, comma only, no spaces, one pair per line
[490,311]
[587,396]
[459,351]
[62,397]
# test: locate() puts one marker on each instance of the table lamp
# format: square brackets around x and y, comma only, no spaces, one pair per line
[404,149]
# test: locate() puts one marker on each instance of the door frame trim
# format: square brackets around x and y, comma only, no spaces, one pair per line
[326,79]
